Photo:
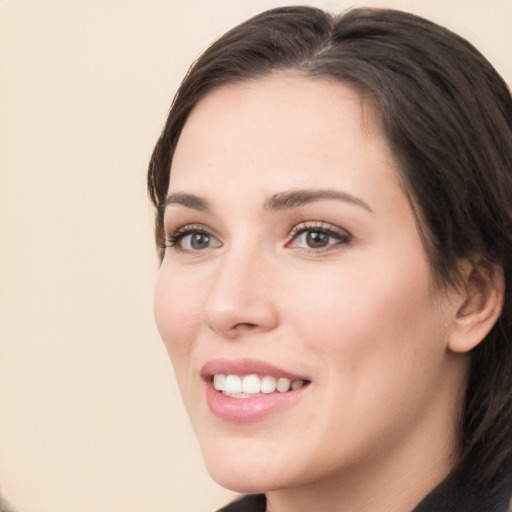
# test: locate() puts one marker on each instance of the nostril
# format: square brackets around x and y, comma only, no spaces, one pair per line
[245,326]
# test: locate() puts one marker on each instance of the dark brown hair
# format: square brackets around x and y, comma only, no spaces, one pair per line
[447,115]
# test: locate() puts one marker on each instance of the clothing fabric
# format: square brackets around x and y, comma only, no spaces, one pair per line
[454,494]
[249,503]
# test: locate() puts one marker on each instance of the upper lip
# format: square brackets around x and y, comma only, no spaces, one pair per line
[245,367]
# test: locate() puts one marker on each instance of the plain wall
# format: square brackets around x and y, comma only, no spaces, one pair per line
[90,417]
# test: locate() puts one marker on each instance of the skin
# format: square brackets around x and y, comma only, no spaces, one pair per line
[360,317]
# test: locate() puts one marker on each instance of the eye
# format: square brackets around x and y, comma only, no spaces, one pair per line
[318,236]
[192,239]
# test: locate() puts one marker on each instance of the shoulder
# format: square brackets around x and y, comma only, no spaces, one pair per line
[459,492]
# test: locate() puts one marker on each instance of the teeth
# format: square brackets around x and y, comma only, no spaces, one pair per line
[252,385]
[233,384]
[296,384]
[218,381]
[268,384]
[283,385]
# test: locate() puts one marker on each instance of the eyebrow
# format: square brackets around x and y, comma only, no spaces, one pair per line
[187,200]
[280,201]
[294,198]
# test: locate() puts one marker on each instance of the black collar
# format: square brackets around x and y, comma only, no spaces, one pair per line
[460,493]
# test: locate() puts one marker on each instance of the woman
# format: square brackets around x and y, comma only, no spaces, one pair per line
[334,211]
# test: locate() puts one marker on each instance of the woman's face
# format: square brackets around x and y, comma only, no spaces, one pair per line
[294,259]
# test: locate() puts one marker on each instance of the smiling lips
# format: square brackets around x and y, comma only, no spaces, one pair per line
[252,385]
[246,390]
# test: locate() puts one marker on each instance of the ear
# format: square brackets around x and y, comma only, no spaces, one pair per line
[480,300]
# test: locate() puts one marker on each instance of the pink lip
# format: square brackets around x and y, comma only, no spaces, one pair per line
[245,410]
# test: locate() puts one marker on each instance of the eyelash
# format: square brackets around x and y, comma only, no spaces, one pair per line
[342,236]
[173,239]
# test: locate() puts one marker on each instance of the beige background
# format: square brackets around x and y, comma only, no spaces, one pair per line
[90,419]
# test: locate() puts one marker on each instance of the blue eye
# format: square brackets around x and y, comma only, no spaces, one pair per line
[192,239]
[314,239]
[318,236]
[196,241]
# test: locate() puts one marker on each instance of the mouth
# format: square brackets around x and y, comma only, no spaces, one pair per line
[252,385]
[244,391]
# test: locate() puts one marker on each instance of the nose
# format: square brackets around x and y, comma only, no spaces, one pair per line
[241,296]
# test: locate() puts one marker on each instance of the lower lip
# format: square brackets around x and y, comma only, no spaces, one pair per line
[245,410]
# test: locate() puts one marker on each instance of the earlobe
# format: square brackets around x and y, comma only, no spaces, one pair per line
[481,301]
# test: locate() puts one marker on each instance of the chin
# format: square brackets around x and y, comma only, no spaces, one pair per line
[241,484]
[240,478]
[245,473]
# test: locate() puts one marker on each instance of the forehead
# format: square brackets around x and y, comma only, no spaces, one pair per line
[283,103]
[283,131]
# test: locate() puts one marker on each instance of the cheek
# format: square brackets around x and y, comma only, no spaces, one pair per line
[377,338]
[367,314]
[176,309]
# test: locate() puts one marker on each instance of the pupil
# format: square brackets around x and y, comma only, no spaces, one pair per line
[316,239]
[199,241]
